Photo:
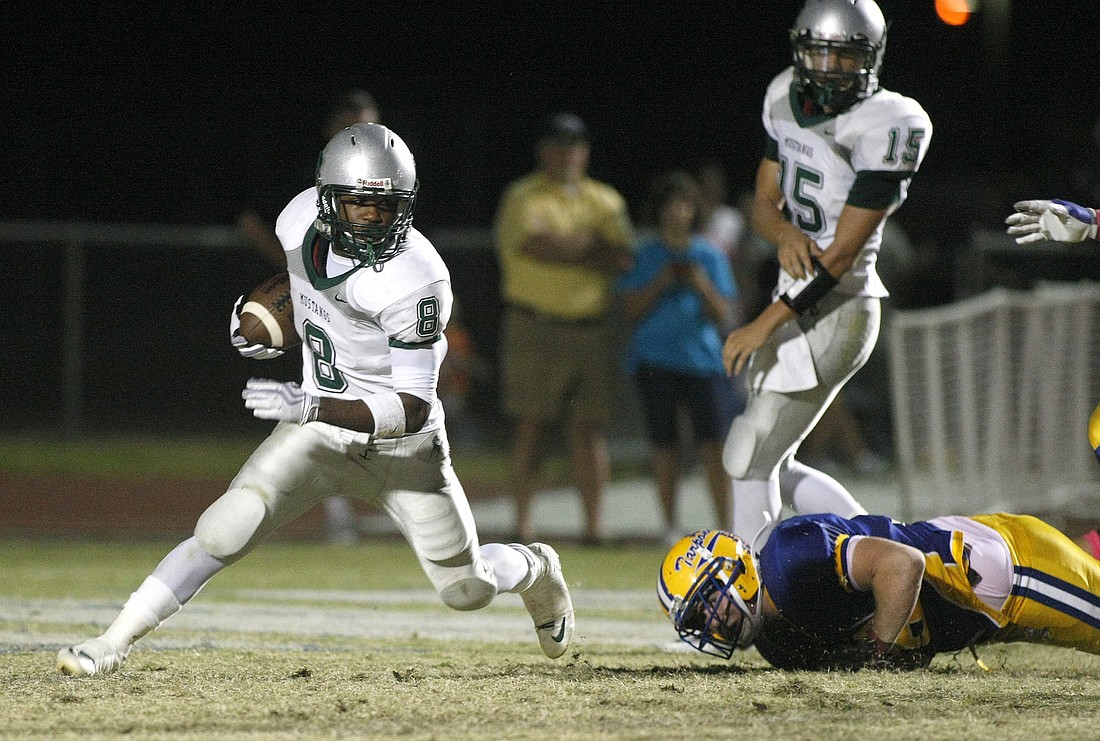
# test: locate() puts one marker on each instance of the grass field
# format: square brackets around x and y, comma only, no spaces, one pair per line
[309,641]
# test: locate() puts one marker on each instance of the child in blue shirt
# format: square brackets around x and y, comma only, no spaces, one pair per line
[680,298]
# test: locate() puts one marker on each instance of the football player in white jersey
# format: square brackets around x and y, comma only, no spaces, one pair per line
[839,157]
[371,300]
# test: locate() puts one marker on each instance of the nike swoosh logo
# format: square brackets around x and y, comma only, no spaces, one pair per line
[341,299]
[561,631]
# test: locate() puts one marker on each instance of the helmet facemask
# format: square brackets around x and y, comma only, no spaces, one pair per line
[701,619]
[835,74]
[371,244]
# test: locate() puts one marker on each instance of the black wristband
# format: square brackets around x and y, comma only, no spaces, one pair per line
[813,292]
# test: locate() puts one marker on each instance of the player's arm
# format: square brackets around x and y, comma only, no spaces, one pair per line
[796,253]
[417,346]
[354,414]
[416,353]
[893,573]
[854,227]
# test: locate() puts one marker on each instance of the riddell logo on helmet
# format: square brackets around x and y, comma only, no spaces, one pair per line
[383,183]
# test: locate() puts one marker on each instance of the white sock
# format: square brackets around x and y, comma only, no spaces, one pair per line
[147,608]
[187,568]
[756,509]
[809,491]
[514,565]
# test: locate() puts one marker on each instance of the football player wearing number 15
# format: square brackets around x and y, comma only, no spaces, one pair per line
[840,153]
[371,300]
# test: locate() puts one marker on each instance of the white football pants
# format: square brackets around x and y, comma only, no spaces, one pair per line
[410,477]
[762,441]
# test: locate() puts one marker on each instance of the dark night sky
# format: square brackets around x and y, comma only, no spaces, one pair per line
[181,116]
[173,115]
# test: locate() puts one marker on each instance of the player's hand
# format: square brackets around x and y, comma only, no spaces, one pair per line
[280,401]
[741,344]
[794,254]
[255,352]
[1057,220]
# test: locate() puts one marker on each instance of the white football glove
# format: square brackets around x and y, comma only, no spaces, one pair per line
[255,352]
[283,402]
[1057,220]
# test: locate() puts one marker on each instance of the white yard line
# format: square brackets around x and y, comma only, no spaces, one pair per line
[313,614]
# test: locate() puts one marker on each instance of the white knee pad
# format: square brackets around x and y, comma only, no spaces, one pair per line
[471,591]
[226,530]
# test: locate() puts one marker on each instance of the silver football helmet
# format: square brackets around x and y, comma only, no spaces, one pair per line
[365,160]
[838,47]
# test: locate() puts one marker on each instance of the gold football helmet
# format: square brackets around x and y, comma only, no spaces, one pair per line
[709,588]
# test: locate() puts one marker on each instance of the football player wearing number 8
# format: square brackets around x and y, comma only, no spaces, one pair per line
[371,302]
[840,153]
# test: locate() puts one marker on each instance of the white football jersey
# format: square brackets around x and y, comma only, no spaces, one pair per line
[358,323]
[820,156]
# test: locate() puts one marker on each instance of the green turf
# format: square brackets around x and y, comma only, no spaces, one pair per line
[200,457]
[225,684]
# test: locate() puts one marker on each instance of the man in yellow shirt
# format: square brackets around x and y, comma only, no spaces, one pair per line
[561,238]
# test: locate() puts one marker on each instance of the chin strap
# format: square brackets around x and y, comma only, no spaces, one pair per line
[749,633]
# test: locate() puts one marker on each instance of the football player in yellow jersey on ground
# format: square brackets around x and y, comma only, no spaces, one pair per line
[826,592]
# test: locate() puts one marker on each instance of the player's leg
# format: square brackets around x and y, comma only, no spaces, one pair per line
[430,508]
[711,403]
[774,423]
[810,491]
[587,348]
[274,486]
[1055,593]
[747,460]
[659,392]
[841,339]
[532,387]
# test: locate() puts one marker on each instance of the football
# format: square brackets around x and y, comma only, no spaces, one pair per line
[267,317]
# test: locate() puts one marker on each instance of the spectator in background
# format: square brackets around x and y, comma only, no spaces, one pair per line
[722,224]
[561,238]
[461,368]
[349,107]
[680,296]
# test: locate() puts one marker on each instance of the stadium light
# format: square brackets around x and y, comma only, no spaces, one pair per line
[955,12]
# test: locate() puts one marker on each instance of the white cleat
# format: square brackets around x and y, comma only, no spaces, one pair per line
[548,602]
[95,656]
